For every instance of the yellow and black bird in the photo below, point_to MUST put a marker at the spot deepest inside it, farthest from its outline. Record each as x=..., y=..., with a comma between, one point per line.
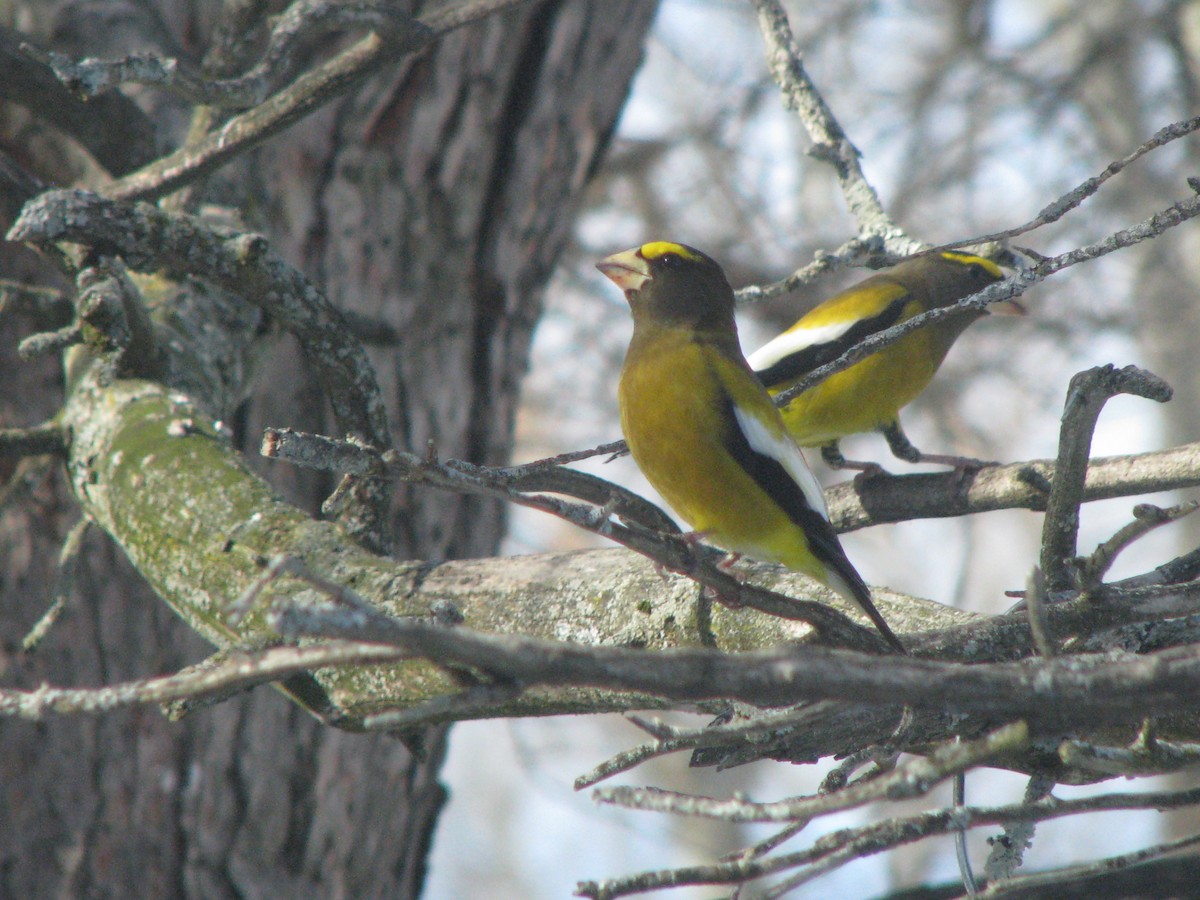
x=869, y=395
x=705, y=432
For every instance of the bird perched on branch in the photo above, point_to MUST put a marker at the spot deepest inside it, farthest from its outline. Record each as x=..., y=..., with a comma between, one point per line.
x=869, y=395
x=705, y=432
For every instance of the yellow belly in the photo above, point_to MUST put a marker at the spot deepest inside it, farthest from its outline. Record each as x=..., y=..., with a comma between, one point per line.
x=673, y=427
x=867, y=395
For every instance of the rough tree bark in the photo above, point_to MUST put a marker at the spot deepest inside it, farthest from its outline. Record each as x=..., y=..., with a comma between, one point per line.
x=435, y=199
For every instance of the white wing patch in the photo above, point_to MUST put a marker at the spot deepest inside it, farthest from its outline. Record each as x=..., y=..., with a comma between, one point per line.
x=782, y=449
x=794, y=340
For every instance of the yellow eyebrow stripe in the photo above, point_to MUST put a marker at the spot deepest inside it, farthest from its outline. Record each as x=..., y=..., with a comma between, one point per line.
x=656, y=249
x=968, y=259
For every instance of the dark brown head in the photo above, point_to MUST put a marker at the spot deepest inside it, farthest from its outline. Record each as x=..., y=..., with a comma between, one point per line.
x=673, y=285
x=947, y=277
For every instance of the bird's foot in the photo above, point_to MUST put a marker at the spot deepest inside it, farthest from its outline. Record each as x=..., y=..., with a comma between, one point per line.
x=834, y=459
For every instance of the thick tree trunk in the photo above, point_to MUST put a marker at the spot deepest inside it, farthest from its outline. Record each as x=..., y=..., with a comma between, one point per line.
x=435, y=199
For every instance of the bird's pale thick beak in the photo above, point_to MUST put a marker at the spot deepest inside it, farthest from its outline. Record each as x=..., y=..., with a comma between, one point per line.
x=626, y=270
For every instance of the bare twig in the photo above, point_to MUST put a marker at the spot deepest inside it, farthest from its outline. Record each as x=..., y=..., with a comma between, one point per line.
x=237, y=671
x=1021, y=885
x=1146, y=518
x=865, y=248
x=1009, y=288
x=1145, y=756
x=302, y=23
x=631, y=758
x=1088, y=393
x=307, y=93
x=856, y=251
x=1058, y=208
x=64, y=584
x=836, y=849
x=327, y=454
x=830, y=141
x=18, y=442
x=46, y=343
x=914, y=778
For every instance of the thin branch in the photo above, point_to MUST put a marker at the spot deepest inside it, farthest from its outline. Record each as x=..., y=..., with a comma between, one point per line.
x=835, y=849
x=46, y=343
x=914, y=778
x=861, y=249
x=238, y=671
x=1146, y=518
x=1142, y=757
x=900, y=498
x=18, y=442
x=855, y=252
x=64, y=584
x=1022, y=884
x=307, y=93
x=631, y=758
x=1058, y=208
x=830, y=141
x=1011, y=287
x=316, y=451
x=300, y=24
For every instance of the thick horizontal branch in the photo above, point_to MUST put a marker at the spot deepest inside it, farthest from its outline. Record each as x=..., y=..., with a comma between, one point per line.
x=198, y=525
x=875, y=501
x=1080, y=691
x=518, y=485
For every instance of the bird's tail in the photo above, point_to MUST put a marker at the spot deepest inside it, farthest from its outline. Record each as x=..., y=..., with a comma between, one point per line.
x=859, y=594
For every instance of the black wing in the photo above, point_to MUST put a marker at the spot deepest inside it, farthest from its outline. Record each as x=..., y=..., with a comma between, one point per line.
x=804, y=360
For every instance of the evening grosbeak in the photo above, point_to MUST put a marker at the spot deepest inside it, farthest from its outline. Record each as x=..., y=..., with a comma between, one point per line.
x=706, y=433
x=869, y=395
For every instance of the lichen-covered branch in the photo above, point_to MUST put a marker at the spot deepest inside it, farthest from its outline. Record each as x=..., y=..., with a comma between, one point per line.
x=244, y=265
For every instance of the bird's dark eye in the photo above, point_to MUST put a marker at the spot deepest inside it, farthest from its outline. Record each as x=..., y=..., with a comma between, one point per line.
x=670, y=260
x=979, y=273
